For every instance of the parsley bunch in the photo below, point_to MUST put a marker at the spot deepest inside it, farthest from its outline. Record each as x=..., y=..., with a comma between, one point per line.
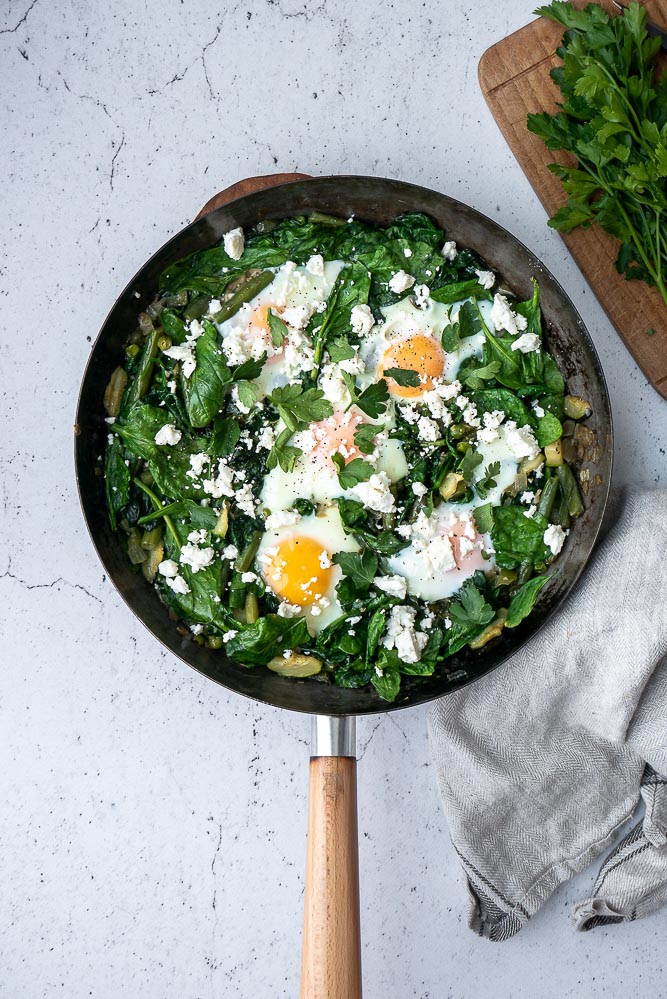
x=613, y=119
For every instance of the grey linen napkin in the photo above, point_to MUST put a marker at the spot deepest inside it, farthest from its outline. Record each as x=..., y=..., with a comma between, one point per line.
x=540, y=763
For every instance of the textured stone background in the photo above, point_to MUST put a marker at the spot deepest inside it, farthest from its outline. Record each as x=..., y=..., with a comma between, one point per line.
x=153, y=825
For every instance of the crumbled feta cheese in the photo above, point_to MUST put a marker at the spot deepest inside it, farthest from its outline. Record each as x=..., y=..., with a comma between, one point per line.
x=230, y=552
x=168, y=434
x=505, y=318
x=487, y=279
x=527, y=343
x=267, y=437
x=440, y=555
x=245, y=500
x=234, y=346
x=178, y=585
x=171, y=385
x=297, y=316
x=400, y=282
x=325, y=559
x=184, y=353
x=110, y=420
x=539, y=471
x=286, y=609
x=521, y=440
x=376, y=493
x=530, y=512
x=422, y=295
x=409, y=413
x=401, y=634
x=298, y=354
x=394, y=586
x=234, y=243
x=228, y=635
x=197, y=537
x=449, y=250
x=527, y=497
x=248, y=577
x=407, y=252
x=198, y=463
x=470, y=416
x=195, y=329
x=489, y=432
x=419, y=489
x=168, y=568
x=196, y=629
x=554, y=538
x=197, y=558
x=220, y=484
x=447, y=390
x=315, y=264
x=214, y=306
x=281, y=518
x=333, y=385
x=427, y=429
x=537, y=409
x=361, y=319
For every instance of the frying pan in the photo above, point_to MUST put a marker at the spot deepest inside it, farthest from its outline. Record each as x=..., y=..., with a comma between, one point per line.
x=331, y=944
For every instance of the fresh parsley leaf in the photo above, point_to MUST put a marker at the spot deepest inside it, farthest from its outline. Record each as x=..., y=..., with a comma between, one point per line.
x=340, y=350
x=475, y=377
x=277, y=328
x=450, y=338
x=469, y=320
x=471, y=460
x=373, y=400
x=471, y=608
x=484, y=518
x=297, y=406
x=282, y=453
x=360, y=567
x=247, y=394
x=354, y=471
x=249, y=369
x=404, y=377
x=488, y=481
x=226, y=433
x=364, y=436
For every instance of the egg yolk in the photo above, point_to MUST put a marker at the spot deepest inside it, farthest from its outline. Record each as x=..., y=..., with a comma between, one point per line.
x=299, y=570
x=336, y=434
x=260, y=316
x=418, y=352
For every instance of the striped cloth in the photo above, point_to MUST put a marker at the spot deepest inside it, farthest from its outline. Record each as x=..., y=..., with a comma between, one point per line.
x=541, y=763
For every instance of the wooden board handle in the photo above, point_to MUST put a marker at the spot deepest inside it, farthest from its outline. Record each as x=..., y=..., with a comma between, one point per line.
x=331, y=960
x=249, y=186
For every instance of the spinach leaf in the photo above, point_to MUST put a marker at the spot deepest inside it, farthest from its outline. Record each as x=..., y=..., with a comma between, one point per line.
x=116, y=479
x=256, y=643
x=517, y=538
x=549, y=429
x=501, y=399
x=523, y=600
x=194, y=513
x=450, y=293
x=204, y=391
x=168, y=465
x=387, y=684
x=226, y=434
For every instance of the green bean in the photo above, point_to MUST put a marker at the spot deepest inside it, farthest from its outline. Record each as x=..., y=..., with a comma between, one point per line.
x=139, y=386
x=524, y=574
x=548, y=497
x=113, y=394
x=244, y=561
x=214, y=641
x=197, y=307
x=325, y=219
x=560, y=514
x=251, y=608
x=164, y=342
x=570, y=490
x=251, y=288
x=157, y=506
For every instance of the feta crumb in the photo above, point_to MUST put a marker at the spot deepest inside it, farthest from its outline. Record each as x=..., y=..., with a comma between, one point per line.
x=527, y=497
x=527, y=343
x=325, y=559
x=168, y=434
x=195, y=557
x=198, y=463
x=376, y=493
x=228, y=635
x=530, y=512
x=168, y=568
x=234, y=243
x=427, y=429
x=394, y=586
x=178, y=585
x=400, y=282
x=554, y=538
x=440, y=555
x=315, y=264
x=214, y=306
x=245, y=500
x=521, y=440
x=197, y=537
x=248, y=577
x=333, y=385
x=230, y=552
x=447, y=390
x=184, y=353
x=419, y=489
x=361, y=319
x=505, y=318
x=286, y=609
x=537, y=409
x=110, y=420
x=401, y=634
x=449, y=250
x=281, y=518
x=196, y=629
x=539, y=471
x=422, y=293
x=267, y=438
x=220, y=484
x=487, y=279
x=297, y=316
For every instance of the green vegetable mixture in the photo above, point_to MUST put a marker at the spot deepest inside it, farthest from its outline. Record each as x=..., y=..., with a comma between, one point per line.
x=341, y=451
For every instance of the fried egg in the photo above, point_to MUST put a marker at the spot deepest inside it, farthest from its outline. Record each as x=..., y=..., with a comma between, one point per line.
x=296, y=563
x=314, y=476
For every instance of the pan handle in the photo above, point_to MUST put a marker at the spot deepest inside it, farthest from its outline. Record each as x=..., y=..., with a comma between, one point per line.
x=331, y=960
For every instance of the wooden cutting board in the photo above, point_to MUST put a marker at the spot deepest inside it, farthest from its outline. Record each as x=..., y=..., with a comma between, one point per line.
x=514, y=77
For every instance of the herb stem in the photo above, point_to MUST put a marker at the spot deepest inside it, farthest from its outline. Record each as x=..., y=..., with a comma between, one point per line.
x=157, y=506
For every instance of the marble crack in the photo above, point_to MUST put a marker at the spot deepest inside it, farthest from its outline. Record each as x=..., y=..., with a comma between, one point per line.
x=49, y=586
x=114, y=158
x=369, y=740
x=10, y=31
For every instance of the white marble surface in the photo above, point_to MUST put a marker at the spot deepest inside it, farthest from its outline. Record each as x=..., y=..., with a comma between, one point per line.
x=152, y=824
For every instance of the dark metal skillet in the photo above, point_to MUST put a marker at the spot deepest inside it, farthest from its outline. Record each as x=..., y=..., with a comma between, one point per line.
x=331, y=938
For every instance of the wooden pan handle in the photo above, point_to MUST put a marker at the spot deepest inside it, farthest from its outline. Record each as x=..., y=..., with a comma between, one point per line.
x=249, y=186
x=331, y=959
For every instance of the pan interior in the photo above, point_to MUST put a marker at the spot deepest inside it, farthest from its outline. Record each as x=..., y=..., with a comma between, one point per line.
x=379, y=201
